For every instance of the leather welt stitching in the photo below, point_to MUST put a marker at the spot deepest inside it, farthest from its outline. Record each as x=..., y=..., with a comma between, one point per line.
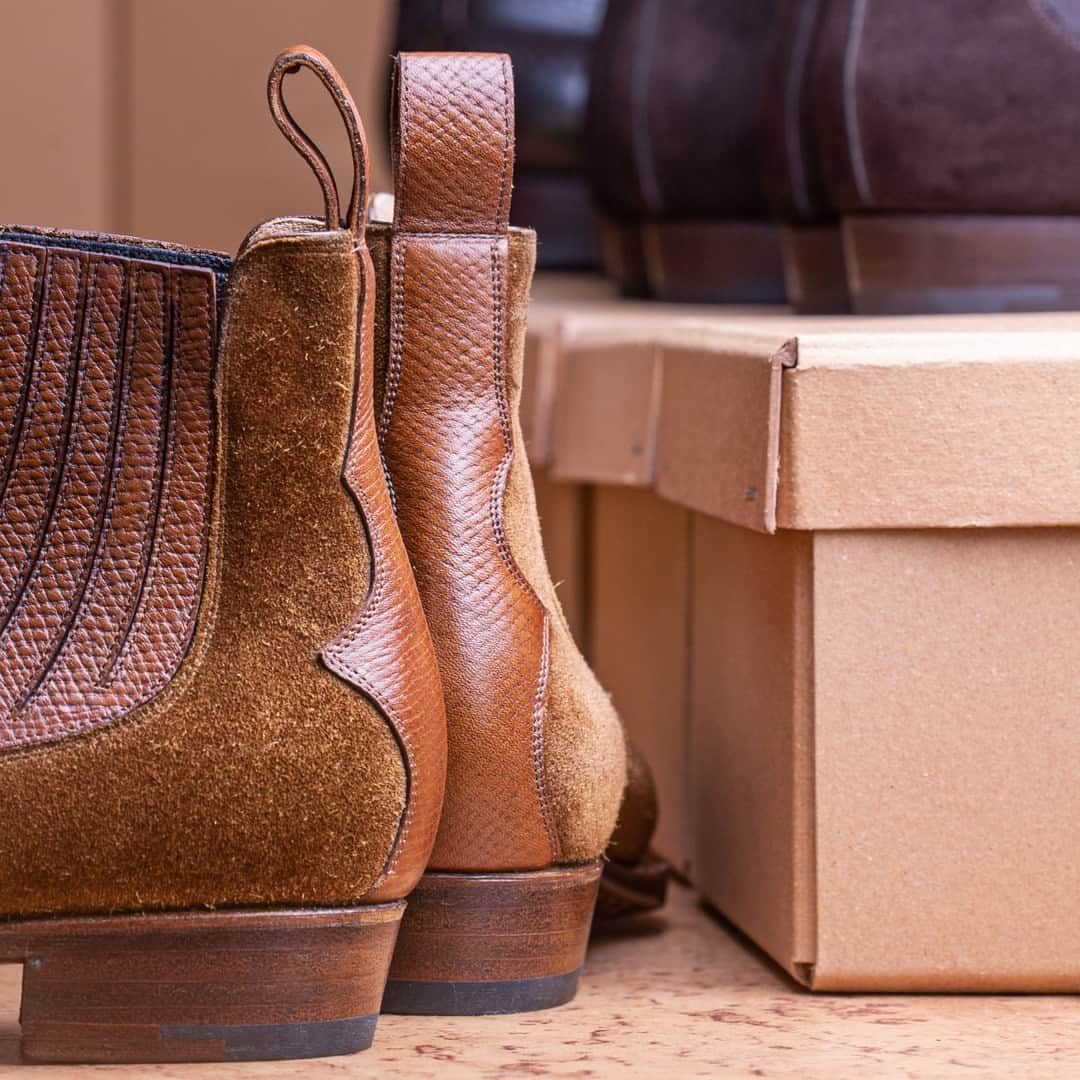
x=106, y=502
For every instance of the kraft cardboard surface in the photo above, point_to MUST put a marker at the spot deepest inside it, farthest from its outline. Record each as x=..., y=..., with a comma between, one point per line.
x=751, y=733
x=947, y=749
x=772, y=421
x=619, y=446
x=639, y=618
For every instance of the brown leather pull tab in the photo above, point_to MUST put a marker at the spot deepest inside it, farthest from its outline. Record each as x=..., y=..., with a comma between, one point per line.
x=287, y=63
x=453, y=142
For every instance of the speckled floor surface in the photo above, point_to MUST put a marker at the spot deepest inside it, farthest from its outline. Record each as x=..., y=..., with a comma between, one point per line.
x=678, y=996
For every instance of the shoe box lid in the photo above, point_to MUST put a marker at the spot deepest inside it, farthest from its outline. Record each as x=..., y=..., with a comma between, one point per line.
x=771, y=421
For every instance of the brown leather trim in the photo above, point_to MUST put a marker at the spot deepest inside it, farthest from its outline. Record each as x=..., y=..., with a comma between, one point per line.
x=448, y=444
x=386, y=651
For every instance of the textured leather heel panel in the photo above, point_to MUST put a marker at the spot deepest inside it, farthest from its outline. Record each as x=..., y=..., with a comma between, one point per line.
x=446, y=434
x=387, y=650
x=107, y=401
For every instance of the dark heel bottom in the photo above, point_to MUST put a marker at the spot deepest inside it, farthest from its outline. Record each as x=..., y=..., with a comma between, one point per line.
x=492, y=943
x=814, y=269
x=201, y=986
x=926, y=263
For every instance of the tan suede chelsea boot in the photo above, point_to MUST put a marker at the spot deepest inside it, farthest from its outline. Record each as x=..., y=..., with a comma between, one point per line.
x=222, y=734
x=536, y=758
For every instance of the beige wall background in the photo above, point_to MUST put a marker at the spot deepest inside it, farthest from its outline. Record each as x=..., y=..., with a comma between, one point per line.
x=149, y=117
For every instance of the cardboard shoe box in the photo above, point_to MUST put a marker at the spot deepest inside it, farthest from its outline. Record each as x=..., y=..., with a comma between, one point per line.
x=638, y=553
x=883, y=737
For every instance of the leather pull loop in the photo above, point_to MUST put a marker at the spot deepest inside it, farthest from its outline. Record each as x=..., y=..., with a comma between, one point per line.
x=452, y=139
x=289, y=62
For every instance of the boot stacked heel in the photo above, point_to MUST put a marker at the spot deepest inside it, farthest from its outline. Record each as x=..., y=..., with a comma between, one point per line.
x=493, y=943
x=201, y=986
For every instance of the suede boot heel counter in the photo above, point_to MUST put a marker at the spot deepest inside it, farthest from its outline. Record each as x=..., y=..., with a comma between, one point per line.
x=583, y=759
x=584, y=754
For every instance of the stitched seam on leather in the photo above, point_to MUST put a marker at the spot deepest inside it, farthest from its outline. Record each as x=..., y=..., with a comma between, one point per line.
x=405, y=120
x=133, y=627
x=137, y=584
x=59, y=623
x=498, y=488
x=500, y=218
x=29, y=343
x=498, y=493
x=397, y=344
x=103, y=521
x=61, y=442
x=539, y=770
x=153, y=704
x=336, y=649
x=58, y=444
x=167, y=673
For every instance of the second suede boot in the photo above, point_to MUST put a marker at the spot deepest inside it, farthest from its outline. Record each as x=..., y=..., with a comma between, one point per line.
x=536, y=762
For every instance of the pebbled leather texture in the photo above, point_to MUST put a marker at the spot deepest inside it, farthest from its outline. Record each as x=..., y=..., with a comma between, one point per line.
x=387, y=651
x=446, y=434
x=106, y=433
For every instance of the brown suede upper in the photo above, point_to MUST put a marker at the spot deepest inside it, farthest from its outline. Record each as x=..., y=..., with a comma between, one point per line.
x=964, y=106
x=297, y=755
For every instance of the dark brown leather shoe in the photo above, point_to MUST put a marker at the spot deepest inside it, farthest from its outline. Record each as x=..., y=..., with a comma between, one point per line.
x=948, y=138
x=550, y=45
x=672, y=131
x=791, y=171
x=222, y=736
x=536, y=763
x=634, y=880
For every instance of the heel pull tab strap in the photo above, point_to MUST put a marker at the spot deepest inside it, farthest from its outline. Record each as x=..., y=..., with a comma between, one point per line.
x=287, y=63
x=452, y=134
